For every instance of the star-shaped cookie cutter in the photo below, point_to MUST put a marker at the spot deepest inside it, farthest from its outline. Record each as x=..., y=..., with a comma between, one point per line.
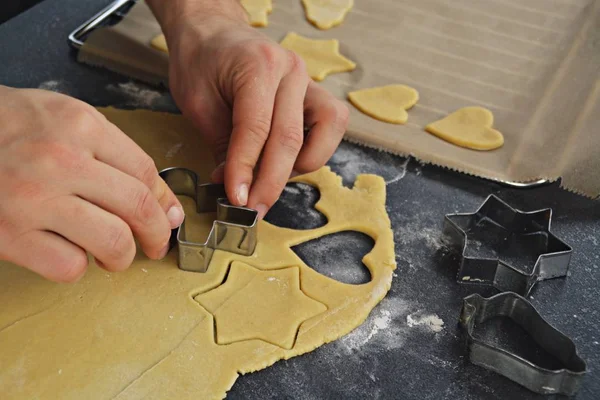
x=553, y=257
x=566, y=380
x=234, y=230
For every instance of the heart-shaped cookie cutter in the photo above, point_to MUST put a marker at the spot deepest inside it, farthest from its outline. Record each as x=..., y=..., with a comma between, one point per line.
x=235, y=229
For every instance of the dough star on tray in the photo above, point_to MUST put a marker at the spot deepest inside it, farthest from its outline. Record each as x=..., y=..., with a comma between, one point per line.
x=322, y=57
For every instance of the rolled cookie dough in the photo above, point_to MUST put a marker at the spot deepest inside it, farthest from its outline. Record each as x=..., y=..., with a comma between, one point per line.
x=385, y=103
x=325, y=14
x=469, y=127
x=149, y=332
x=322, y=57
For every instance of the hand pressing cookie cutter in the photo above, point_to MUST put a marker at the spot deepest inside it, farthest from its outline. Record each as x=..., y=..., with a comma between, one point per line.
x=553, y=258
x=477, y=309
x=234, y=230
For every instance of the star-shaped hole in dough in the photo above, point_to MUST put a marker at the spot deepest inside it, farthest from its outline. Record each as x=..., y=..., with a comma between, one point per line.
x=322, y=57
x=325, y=14
x=258, y=11
x=386, y=103
x=255, y=304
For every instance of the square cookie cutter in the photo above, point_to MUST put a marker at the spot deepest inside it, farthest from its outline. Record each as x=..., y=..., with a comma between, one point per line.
x=235, y=229
x=553, y=257
x=477, y=309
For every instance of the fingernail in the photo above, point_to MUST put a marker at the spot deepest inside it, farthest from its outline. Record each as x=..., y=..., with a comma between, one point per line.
x=242, y=194
x=262, y=210
x=163, y=252
x=175, y=216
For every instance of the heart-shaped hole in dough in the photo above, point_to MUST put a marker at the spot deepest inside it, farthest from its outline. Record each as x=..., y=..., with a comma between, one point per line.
x=338, y=256
x=295, y=209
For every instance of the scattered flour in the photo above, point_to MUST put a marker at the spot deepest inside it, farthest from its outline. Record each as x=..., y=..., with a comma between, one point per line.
x=173, y=151
x=379, y=330
x=51, y=85
x=400, y=175
x=299, y=198
x=136, y=95
x=350, y=161
x=408, y=233
x=380, y=322
x=431, y=322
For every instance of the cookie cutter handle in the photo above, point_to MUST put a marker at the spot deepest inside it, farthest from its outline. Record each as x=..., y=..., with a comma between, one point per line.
x=76, y=37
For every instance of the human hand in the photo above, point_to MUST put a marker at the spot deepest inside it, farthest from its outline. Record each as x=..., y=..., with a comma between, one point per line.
x=71, y=182
x=251, y=99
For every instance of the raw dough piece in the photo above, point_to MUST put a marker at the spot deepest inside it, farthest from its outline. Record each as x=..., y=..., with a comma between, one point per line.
x=258, y=10
x=469, y=127
x=254, y=304
x=385, y=103
x=139, y=334
x=325, y=14
x=160, y=43
x=322, y=57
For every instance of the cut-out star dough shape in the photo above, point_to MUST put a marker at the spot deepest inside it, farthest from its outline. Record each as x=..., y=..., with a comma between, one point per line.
x=325, y=14
x=258, y=10
x=254, y=304
x=160, y=43
x=469, y=127
x=322, y=57
x=386, y=103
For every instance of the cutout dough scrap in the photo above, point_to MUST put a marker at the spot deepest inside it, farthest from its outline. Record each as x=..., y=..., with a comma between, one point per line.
x=469, y=127
x=139, y=334
x=160, y=43
x=325, y=14
x=258, y=11
x=385, y=103
x=322, y=57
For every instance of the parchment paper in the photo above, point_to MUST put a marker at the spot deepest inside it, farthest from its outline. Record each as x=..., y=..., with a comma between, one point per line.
x=534, y=63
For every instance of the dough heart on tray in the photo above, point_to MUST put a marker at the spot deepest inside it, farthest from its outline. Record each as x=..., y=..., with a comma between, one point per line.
x=469, y=127
x=385, y=103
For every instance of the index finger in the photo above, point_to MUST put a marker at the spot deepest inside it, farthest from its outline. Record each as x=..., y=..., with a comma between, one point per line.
x=251, y=121
x=121, y=152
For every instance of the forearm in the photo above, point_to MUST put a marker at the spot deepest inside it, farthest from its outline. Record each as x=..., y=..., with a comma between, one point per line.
x=171, y=13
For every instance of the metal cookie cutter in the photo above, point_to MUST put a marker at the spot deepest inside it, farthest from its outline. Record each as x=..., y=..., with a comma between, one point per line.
x=109, y=15
x=234, y=230
x=553, y=255
x=477, y=309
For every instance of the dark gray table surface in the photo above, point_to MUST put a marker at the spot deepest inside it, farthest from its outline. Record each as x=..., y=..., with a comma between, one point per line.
x=386, y=357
